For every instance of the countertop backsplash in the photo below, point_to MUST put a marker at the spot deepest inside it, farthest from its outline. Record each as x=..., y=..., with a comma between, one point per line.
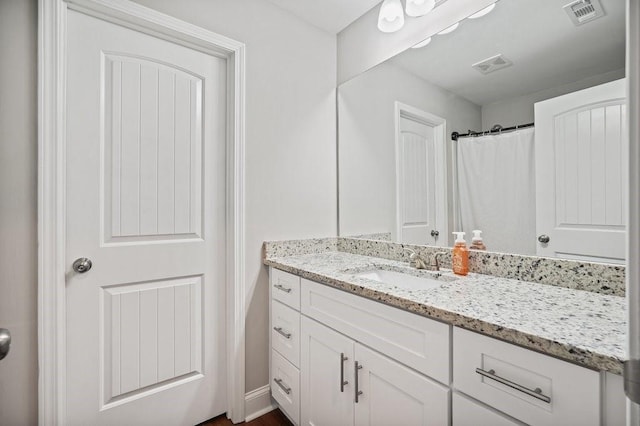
x=595, y=277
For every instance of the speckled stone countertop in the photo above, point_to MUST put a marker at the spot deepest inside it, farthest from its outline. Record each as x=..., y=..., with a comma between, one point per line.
x=582, y=327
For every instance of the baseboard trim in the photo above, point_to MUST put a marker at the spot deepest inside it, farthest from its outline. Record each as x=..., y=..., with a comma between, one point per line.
x=258, y=402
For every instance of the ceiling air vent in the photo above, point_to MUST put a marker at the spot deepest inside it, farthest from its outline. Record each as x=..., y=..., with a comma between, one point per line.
x=583, y=11
x=492, y=64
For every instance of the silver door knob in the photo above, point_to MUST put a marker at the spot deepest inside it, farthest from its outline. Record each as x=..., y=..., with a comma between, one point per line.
x=82, y=265
x=544, y=239
x=5, y=342
x=434, y=233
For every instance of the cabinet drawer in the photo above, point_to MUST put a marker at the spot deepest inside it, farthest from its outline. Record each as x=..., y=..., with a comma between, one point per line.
x=285, y=332
x=285, y=386
x=415, y=341
x=534, y=388
x=469, y=413
x=285, y=287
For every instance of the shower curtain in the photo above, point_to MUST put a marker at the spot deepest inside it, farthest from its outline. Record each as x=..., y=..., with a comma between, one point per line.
x=496, y=190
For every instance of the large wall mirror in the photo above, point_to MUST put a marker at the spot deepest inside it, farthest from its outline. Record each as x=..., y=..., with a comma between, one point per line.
x=536, y=94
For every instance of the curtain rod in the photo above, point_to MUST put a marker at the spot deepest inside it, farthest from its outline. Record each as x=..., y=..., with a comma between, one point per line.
x=495, y=129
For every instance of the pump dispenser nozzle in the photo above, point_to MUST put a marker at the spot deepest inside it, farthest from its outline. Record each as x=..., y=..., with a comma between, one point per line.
x=476, y=241
x=459, y=237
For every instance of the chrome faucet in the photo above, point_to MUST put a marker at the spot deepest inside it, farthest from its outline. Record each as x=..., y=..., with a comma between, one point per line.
x=435, y=265
x=416, y=260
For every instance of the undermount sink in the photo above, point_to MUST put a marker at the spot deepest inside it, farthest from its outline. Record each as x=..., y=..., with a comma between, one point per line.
x=400, y=279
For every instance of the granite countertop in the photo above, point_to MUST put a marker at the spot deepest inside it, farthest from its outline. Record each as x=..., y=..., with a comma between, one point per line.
x=582, y=327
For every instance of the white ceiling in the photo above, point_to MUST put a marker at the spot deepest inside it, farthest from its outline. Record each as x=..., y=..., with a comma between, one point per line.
x=330, y=15
x=546, y=48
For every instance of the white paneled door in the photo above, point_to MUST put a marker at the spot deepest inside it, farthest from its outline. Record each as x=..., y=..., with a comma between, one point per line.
x=420, y=189
x=145, y=161
x=582, y=174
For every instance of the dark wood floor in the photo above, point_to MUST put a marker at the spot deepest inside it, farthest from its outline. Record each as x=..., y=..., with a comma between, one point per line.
x=273, y=418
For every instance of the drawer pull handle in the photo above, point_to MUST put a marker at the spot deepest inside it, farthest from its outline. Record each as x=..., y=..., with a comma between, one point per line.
x=358, y=392
x=283, y=288
x=536, y=393
x=282, y=386
x=343, y=382
x=282, y=332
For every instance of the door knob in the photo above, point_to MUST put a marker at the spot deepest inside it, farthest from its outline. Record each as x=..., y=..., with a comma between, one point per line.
x=5, y=342
x=544, y=239
x=82, y=265
x=434, y=233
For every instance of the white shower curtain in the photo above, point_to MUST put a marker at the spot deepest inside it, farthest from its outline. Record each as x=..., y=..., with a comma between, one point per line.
x=496, y=190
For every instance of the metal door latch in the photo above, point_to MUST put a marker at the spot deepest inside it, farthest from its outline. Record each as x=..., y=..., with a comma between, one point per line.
x=5, y=342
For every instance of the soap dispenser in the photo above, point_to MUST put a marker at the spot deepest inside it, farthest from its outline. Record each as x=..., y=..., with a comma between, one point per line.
x=476, y=241
x=460, y=255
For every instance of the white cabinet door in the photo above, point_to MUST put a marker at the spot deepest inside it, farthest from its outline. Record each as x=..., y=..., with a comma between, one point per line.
x=581, y=174
x=393, y=394
x=326, y=361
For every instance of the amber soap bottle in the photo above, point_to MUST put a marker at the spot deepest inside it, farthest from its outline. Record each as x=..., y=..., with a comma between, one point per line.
x=460, y=255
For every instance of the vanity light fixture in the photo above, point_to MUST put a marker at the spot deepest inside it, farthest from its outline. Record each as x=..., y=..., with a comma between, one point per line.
x=423, y=43
x=482, y=12
x=419, y=7
x=391, y=17
x=450, y=29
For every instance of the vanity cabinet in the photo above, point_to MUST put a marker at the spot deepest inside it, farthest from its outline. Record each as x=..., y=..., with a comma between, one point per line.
x=319, y=333
x=346, y=383
x=341, y=359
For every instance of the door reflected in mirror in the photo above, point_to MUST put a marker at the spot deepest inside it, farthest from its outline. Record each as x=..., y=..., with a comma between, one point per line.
x=552, y=169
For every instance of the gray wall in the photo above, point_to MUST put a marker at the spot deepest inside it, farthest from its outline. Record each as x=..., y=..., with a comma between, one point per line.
x=509, y=112
x=18, y=212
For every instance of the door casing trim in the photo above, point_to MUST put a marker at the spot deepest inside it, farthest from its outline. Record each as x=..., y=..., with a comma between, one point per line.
x=51, y=188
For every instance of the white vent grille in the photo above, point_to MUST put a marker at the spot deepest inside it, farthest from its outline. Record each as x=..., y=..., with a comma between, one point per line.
x=492, y=64
x=583, y=11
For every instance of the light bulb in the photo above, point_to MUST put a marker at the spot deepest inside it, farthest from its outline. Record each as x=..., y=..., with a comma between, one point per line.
x=482, y=12
x=419, y=7
x=450, y=29
x=391, y=16
x=423, y=43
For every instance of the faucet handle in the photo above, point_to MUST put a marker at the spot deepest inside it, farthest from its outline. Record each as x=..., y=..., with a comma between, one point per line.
x=412, y=254
x=436, y=262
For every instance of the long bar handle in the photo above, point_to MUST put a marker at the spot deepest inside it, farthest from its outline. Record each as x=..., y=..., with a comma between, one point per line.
x=343, y=382
x=358, y=392
x=282, y=332
x=282, y=386
x=536, y=393
x=283, y=288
